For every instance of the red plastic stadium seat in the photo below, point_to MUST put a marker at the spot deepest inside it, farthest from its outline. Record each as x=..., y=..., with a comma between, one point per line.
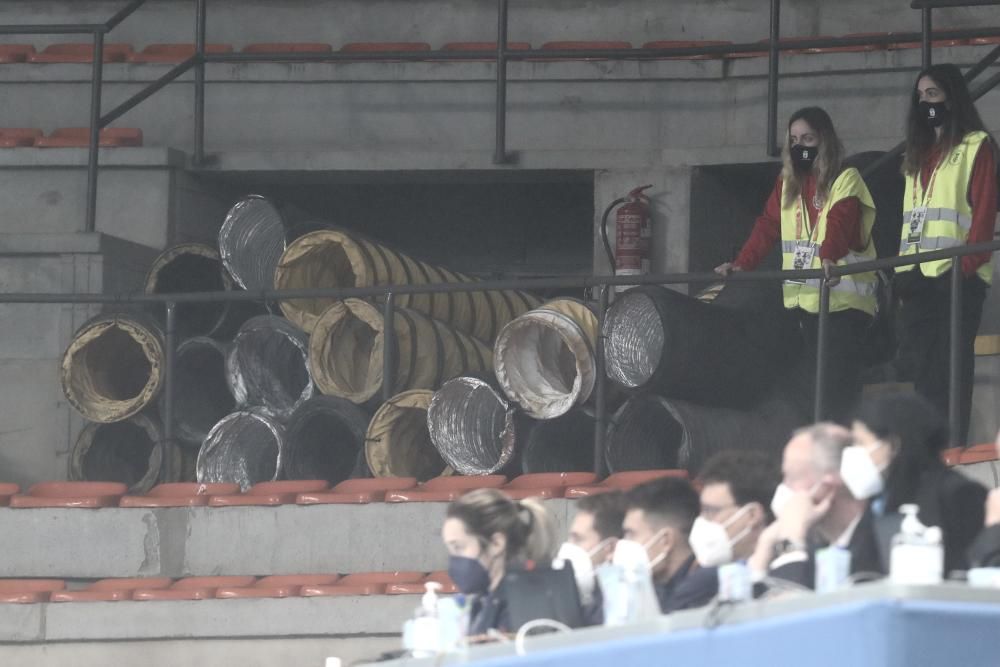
x=111, y=590
x=288, y=47
x=180, y=494
x=193, y=588
x=256, y=592
x=622, y=481
x=387, y=47
x=365, y=578
x=484, y=46
x=15, y=53
x=6, y=491
x=546, y=485
x=28, y=591
x=341, y=591
x=86, y=495
x=578, y=45
x=270, y=493
x=190, y=583
x=16, y=137
x=445, y=489
x=447, y=585
x=173, y=53
x=896, y=46
x=952, y=456
x=80, y=53
x=671, y=44
x=357, y=491
x=979, y=454
x=79, y=137
x=977, y=41
x=297, y=580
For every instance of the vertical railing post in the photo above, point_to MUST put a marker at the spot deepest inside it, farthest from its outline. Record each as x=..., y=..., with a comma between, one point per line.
x=500, y=147
x=926, y=29
x=199, y=82
x=822, y=334
x=955, y=407
x=97, y=74
x=168, y=372
x=772, y=79
x=600, y=386
x=390, y=348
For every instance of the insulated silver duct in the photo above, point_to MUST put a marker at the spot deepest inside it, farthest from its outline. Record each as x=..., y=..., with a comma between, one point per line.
x=244, y=448
x=633, y=339
x=251, y=241
x=472, y=426
x=268, y=366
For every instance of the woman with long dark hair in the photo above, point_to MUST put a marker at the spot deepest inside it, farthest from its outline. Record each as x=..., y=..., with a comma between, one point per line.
x=950, y=200
x=822, y=214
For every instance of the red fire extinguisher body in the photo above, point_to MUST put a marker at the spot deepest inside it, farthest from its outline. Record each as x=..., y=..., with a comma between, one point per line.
x=633, y=235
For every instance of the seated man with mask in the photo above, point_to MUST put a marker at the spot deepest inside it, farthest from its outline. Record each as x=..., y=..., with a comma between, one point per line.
x=814, y=509
x=659, y=516
x=737, y=487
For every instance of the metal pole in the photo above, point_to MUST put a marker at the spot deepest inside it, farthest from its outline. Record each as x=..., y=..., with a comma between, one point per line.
x=390, y=350
x=199, y=82
x=97, y=73
x=926, y=28
x=955, y=410
x=822, y=331
x=772, y=80
x=600, y=396
x=500, y=147
x=168, y=373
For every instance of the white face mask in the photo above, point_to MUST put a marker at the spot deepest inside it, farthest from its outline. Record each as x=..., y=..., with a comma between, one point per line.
x=583, y=569
x=653, y=562
x=860, y=474
x=711, y=543
x=783, y=493
x=630, y=555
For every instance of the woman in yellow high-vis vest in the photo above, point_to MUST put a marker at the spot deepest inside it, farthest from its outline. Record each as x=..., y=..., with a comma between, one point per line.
x=950, y=200
x=823, y=215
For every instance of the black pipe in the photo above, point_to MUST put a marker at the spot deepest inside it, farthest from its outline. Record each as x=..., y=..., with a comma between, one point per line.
x=955, y=409
x=981, y=66
x=90, y=222
x=600, y=387
x=822, y=334
x=986, y=86
x=772, y=80
x=199, y=82
x=604, y=233
x=170, y=361
x=123, y=14
x=390, y=348
x=925, y=37
x=500, y=148
x=147, y=92
x=43, y=29
x=936, y=4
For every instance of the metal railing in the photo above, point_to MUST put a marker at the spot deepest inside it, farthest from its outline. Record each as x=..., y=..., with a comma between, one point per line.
x=390, y=355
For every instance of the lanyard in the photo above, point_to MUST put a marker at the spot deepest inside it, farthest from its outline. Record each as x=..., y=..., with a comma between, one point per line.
x=930, y=184
x=801, y=211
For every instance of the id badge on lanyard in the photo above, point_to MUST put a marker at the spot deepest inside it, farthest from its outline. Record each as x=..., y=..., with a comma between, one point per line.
x=805, y=251
x=918, y=216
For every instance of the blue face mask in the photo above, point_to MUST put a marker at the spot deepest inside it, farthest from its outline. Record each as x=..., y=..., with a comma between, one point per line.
x=469, y=575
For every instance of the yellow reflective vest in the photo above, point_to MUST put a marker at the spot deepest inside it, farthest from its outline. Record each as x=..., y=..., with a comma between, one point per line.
x=853, y=291
x=944, y=207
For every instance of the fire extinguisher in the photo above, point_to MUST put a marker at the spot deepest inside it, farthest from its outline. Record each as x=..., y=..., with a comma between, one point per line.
x=633, y=233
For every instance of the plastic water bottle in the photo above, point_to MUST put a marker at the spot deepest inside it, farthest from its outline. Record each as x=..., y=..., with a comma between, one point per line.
x=833, y=569
x=422, y=634
x=917, y=553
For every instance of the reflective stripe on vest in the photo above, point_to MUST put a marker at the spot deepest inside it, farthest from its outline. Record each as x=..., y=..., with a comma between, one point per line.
x=853, y=291
x=949, y=216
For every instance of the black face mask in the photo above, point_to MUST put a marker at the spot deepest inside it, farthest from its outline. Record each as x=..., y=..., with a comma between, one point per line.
x=803, y=156
x=933, y=113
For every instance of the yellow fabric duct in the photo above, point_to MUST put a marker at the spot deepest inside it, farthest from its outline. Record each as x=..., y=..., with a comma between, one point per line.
x=544, y=359
x=348, y=339
x=330, y=258
x=112, y=368
x=398, y=444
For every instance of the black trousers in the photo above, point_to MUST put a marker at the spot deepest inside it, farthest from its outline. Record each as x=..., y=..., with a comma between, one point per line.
x=924, y=333
x=846, y=334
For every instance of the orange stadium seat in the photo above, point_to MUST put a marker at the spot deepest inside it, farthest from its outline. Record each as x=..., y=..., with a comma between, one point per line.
x=574, y=45
x=977, y=41
x=80, y=53
x=270, y=493
x=445, y=489
x=299, y=580
x=7, y=490
x=288, y=47
x=173, y=53
x=15, y=53
x=16, y=137
x=672, y=44
x=28, y=591
x=484, y=46
x=357, y=491
x=180, y=494
x=365, y=578
x=193, y=588
x=376, y=47
x=256, y=592
x=111, y=590
x=337, y=590
x=978, y=454
x=84, y=495
x=622, y=481
x=546, y=484
x=414, y=588
x=79, y=137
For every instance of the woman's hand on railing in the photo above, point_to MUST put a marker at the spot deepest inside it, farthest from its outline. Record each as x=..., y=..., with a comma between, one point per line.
x=726, y=268
x=831, y=280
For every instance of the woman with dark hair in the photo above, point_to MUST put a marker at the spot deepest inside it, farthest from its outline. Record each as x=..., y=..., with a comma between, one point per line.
x=896, y=460
x=823, y=215
x=950, y=200
x=486, y=533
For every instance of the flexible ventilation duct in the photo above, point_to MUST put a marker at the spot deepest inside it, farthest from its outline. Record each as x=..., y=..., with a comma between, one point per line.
x=563, y=444
x=472, y=426
x=131, y=451
x=398, y=443
x=662, y=341
x=332, y=258
x=544, y=359
x=347, y=344
x=113, y=367
x=202, y=395
x=244, y=448
x=251, y=241
x=268, y=366
x=652, y=432
x=324, y=437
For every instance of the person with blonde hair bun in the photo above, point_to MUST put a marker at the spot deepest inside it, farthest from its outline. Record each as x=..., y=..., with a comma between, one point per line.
x=486, y=534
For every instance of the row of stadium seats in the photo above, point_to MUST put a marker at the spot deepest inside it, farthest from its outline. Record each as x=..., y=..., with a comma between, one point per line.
x=93, y=495
x=148, y=589
x=68, y=137
x=175, y=53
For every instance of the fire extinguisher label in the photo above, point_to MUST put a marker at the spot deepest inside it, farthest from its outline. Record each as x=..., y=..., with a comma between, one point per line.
x=629, y=232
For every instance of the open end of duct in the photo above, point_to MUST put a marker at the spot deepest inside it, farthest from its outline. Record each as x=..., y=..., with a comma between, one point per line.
x=121, y=452
x=202, y=395
x=244, y=448
x=322, y=446
x=645, y=434
x=563, y=444
x=323, y=259
x=270, y=367
x=471, y=426
x=107, y=373
x=633, y=340
x=191, y=268
x=345, y=351
x=398, y=443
